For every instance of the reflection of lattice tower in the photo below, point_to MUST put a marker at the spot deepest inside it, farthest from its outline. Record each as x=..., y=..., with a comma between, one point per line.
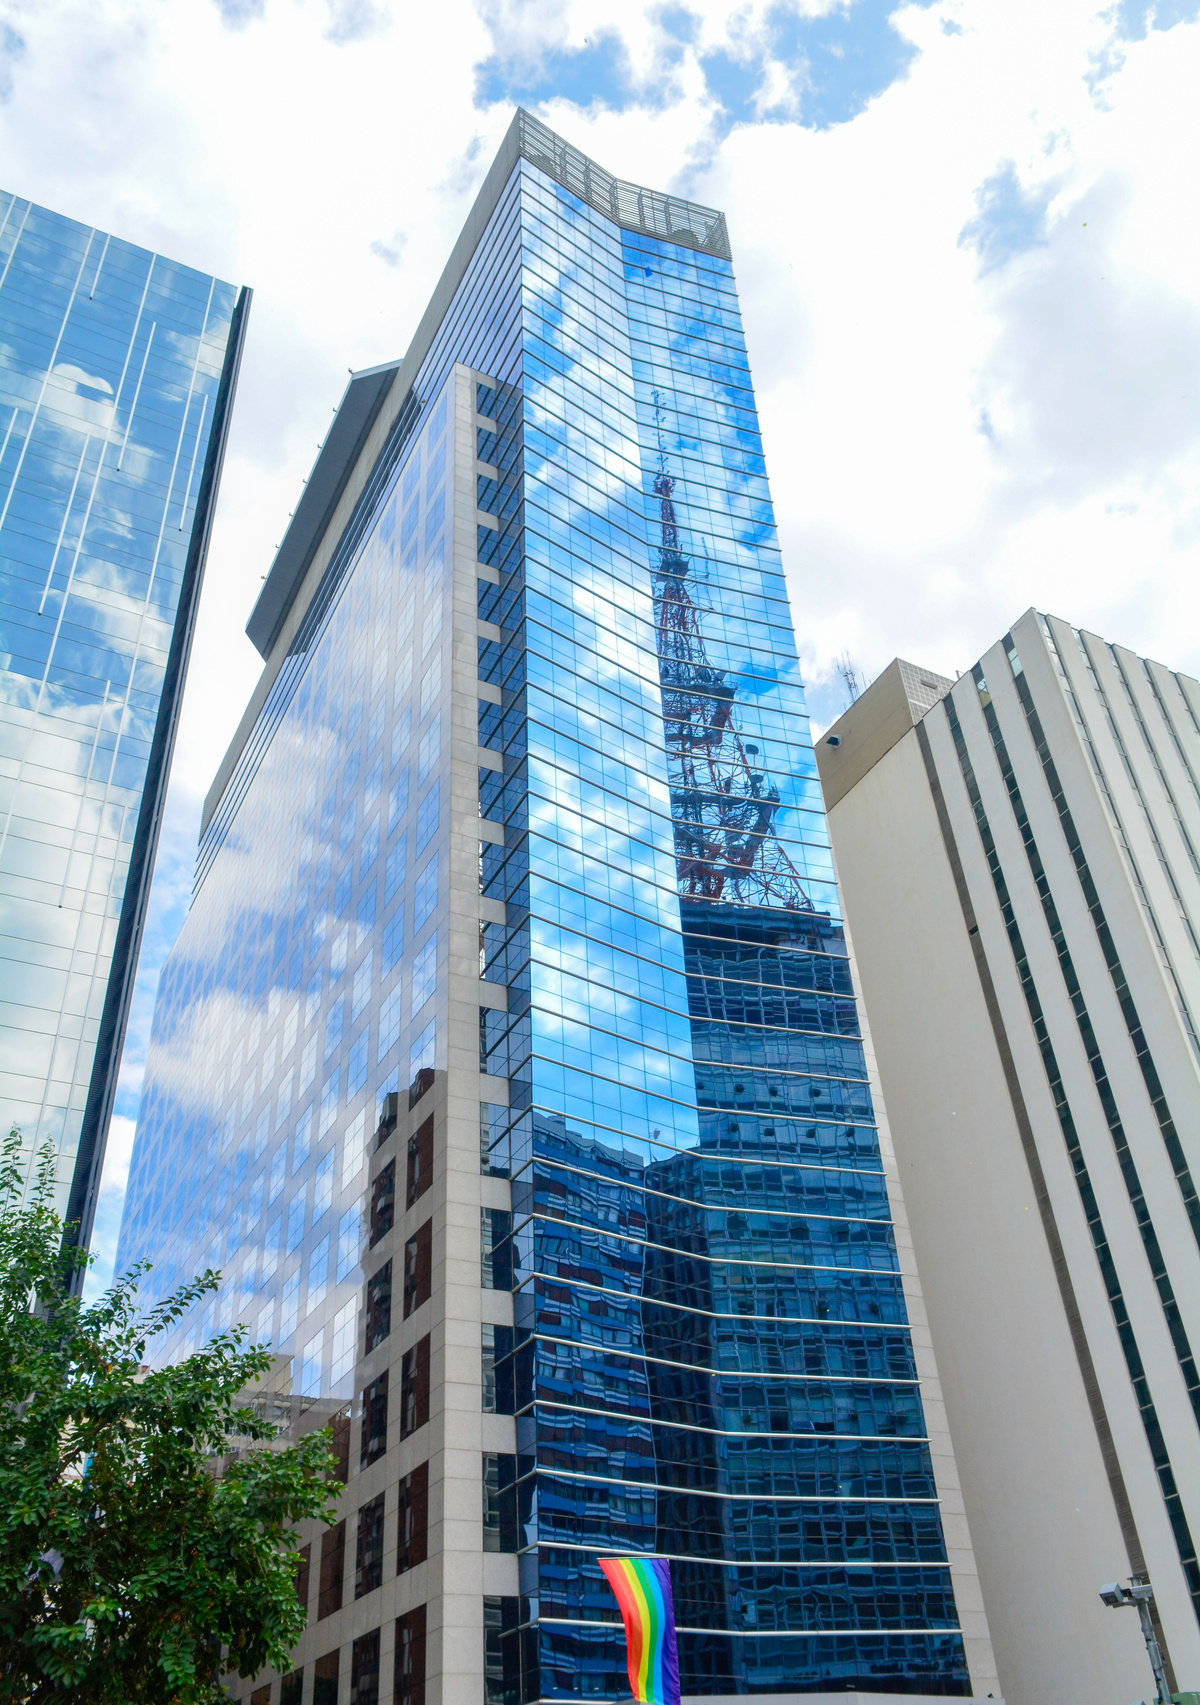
x=724, y=809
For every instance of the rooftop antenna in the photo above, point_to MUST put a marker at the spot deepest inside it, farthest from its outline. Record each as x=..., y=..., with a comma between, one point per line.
x=849, y=676
x=724, y=797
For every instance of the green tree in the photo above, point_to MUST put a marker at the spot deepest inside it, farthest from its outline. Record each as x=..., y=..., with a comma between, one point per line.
x=132, y=1569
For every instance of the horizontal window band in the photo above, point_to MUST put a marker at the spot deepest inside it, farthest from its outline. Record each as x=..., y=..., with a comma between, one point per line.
x=736, y=1026
x=544, y=1225
x=903, y=1630
x=692, y=934
x=620, y=549
x=705, y=1157
x=547, y=866
x=543, y=1217
x=645, y=718
x=738, y=1268
x=788, y=1380
x=704, y=1105
x=837, y=1567
x=810, y=1121
x=814, y=1119
x=566, y=853
x=541, y=1471
x=630, y=1297
x=702, y=1157
x=517, y=945
x=648, y=723
x=559, y=806
x=687, y=1061
x=754, y=665
x=902, y=1441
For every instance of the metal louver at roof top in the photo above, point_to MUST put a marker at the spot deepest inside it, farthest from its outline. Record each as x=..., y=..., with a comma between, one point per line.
x=630, y=206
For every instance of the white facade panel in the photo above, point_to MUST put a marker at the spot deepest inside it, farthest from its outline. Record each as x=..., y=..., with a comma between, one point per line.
x=1029, y=961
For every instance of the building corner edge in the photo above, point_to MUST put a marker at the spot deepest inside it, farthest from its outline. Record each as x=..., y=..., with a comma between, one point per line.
x=102, y=1089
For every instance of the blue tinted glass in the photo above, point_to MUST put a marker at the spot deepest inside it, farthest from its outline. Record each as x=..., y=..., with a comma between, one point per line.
x=709, y=1355
x=110, y=365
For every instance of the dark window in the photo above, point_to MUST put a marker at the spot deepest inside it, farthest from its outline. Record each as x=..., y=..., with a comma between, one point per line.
x=412, y=1532
x=364, y=1670
x=414, y=1388
x=261, y=1695
x=389, y=1113
x=420, y=1161
x=499, y=1501
x=303, y=1566
x=418, y=1268
x=409, y=1682
x=495, y=1249
x=424, y=1078
x=379, y=1306
x=497, y=1370
x=501, y=1652
x=291, y=1688
x=374, y=1421
x=333, y=1556
x=494, y=1140
x=368, y=1561
x=340, y=1446
x=325, y=1680
x=383, y=1203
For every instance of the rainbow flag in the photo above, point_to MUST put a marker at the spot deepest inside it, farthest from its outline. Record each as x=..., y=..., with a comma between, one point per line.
x=643, y=1589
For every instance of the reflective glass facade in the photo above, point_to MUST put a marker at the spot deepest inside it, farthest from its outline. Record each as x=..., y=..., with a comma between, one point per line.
x=568, y=527
x=116, y=376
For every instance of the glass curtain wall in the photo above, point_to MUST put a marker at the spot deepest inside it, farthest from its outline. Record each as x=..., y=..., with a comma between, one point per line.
x=111, y=361
x=309, y=978
x=711, y=1358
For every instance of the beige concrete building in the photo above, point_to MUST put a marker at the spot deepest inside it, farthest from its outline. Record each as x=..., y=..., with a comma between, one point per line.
x=1018, y=854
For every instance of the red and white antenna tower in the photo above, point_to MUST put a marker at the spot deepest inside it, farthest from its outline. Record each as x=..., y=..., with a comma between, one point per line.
x=723, y=806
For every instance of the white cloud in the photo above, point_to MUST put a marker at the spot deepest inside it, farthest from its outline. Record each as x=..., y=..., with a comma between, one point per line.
x=948, y=442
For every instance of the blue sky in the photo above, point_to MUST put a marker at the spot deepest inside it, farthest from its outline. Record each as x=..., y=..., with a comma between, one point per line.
x=966, y=234
x=832, y=64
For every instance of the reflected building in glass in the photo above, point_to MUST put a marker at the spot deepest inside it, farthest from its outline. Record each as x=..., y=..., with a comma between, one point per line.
x=117, y=373
x=509, y=1063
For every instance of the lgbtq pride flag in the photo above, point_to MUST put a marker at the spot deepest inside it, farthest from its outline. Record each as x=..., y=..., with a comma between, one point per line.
x=643, y=1589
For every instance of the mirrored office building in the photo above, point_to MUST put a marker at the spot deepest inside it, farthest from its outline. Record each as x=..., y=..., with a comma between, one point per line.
x=117, y=371
x=509, y=1063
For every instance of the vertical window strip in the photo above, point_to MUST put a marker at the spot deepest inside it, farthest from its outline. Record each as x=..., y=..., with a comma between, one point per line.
x=1135, y=874
x=1095, y=1059
x=1152, y=751
x=1187, y=703
x=1116, y=1300
x=1184, y=763
x=1134, y=783
x=1108, y=947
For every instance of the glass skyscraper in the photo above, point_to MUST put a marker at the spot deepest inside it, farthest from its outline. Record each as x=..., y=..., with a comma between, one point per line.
x=117, y=370
x=508, y=1063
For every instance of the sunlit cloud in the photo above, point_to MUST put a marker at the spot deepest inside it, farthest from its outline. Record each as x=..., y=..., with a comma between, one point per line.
x=965, y=233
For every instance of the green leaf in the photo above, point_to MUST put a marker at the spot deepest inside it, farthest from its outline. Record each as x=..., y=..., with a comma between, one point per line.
x=132, y=1573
